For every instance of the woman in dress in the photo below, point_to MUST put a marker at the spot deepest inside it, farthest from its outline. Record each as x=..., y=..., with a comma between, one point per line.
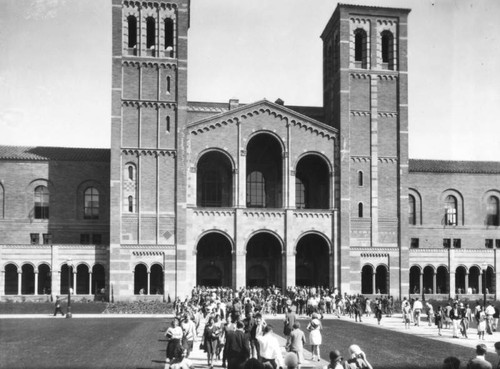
x=481, y=325
x=174, y=336
x=438, y=319
x=315, y=338
x=210, y=340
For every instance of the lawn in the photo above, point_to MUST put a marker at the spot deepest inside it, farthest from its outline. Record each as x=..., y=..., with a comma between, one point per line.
x=386, y=349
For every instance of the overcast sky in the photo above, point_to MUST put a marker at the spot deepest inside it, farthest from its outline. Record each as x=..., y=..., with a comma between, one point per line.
x=55, y=67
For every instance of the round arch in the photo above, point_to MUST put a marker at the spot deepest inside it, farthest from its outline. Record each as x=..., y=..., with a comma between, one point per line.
x=222, y=233
x=460, y=276
x=11, y=282
x=429, y=273
x=442, y=279
x=214, y=249
x=82, y=279
x=214, y=179
x=156, y=279
x=367, y=279
x=264, y=250
x=312, y=182
x=28, y=279
x=140, y=278
x=382, y=279
x=312, y=254
x=314, y=153
x=415, y=271
x=265, y=132
x=44, y=279
x=98, y=279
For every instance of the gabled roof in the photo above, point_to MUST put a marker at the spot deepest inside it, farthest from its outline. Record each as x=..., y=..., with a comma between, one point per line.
x=448, y=166
x=47, y=153
x=257, y=106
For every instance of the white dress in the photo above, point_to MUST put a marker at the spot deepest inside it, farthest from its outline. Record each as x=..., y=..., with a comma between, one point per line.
x=315, y=332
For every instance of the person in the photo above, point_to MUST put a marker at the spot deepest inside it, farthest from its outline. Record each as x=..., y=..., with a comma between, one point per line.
x=58, y=306
x=335, y=360
x=479, y=362
x=357, y=310
x=368, y=307
x=466, y=318
x=210, y=340
x=189, y=334
x=481, y=325
x=315, y=338
x=174, y=335
x=297, y=342
x=291, y=360
x=182, y=362
x=269, y=348
x=456, y=317
x=237, y=347
x=378, y=312
x=497, y=350
x=256, y=331
x=447, y=319
x=451, y=362
x=228, y=327
x=489, y=311
x=288, y=323
x=430, y=312
x=358, y=359
x=407, y=315
x=417, y=311
x=438, y=319
x=495, y=318
x=219, y=327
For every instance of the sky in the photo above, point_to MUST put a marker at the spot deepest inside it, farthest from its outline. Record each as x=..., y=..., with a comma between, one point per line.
x=55, y=67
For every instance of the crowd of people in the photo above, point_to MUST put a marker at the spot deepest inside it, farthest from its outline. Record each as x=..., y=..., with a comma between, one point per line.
x=235, y=333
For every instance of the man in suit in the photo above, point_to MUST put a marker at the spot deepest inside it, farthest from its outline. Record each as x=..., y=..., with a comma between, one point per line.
x=237, y=348
x=479, y=362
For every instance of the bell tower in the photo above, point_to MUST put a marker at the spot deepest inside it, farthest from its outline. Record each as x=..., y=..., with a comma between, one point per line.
x=149, y=101
x=366, y=98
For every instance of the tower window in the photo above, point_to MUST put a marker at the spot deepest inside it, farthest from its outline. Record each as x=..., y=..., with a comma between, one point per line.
x=168, y=124
x=450, y=210
x=132, y=31
x=412, y=219
x=488, y=243
x=169, y=36
x=91, y=203
x=360, y=48
x=150, y=35
x=492, y=209
x=168, y=84
x=387, y=50
x=360, y=210
x=41, y=202
x=130, y=204
x=360, y=178
x=130, y=170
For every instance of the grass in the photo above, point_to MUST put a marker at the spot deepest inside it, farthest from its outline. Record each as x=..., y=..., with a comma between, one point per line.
x=48, y=307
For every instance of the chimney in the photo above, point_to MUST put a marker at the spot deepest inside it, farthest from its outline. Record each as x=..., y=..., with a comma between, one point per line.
x=279, y=102
x=233, y=104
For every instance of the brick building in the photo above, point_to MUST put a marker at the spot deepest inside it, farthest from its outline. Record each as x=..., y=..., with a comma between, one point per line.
x=249, y=194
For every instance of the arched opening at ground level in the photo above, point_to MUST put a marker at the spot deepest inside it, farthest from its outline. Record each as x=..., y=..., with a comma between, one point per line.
x=414, y=279
x=367, y=279
x=140, y=279
x=442, y=280
x=11, y=280
x=312, y=261
x=214, y=261
x=264, y=261
x=66, y=280
x=44, y=280
x=382, y=280
x=156, y=280
x=28, y=280
x=98, y=279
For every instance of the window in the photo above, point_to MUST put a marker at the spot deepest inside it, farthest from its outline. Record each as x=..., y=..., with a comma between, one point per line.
x=360, y=48
x=2, y=201
x=96, y=239
x=91, y=203
x=130, y=204
x=34, y=238
x=414, y=243
x=84, y=238
x=131, y=172
x=47, y=238
x=300, y=194
x=169, y=36
x=450, y=207
x=497, y=244
x=150, y=36
x=211, y=188
x=256, y=190
x=168, y=84
x=412, y=218
x=387, y=50
x=41, y=202
x=492, y=209
x=457, y=243
x=132, y=31
x=446, y=243
x=168, y=124
x=488, y=243
x=360, y=178
x=360, y=210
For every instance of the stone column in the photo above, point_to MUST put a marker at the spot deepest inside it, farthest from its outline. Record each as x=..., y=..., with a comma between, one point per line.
x=480, y=282
x=434, y=283
x=90, y=283
x=19, y=282
x=452, y=290
x=290, y=268
x=466, y=283
x=241, y=268
x=2, y=282
x=421, y=282
x=149, y=283
x=36, y=283
x=374, y=282
x=74, y=280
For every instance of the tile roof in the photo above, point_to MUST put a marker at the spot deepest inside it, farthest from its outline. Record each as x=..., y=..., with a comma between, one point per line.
x=448, y=166
x=45, y=153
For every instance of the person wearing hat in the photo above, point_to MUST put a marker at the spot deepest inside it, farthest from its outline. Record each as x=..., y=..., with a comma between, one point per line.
x=335, y=360
x=297, y=341
x=358, y=359
x=479, y=362
x=314, y=327
x=291, y=360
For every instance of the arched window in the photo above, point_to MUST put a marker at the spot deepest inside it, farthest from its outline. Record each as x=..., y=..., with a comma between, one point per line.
x=300, y=193
x=169, y=35
x=132, y=31
x=360, y=178
x=492, y=210
x=387, y=49
x=360, y=210
x=91, y=203
x=412, y=215
x=450, y=208
x=41, y=202
x=168, y=84
x=150, y=35
x=360, y=48
x=167, y=128
x=256, y=190
x=131, y=172
x=130, y=204
x=2, y=202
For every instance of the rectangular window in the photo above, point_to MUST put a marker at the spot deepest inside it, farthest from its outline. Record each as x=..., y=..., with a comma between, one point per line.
x=497, y=244
x=488, y=243
x=96, y=239
x=47, y=238
x=457, y=243
x=35, y=238
x=84, y=238
x=446, y=243
x=414, y=243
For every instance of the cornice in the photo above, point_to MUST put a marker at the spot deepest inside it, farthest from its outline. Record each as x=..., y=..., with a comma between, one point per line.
x=148, y=253
x=312, y=214
x=370, y=250
x=214, y=212
x=388, y=114
x=374, y=255
x=149, y=63
x=263, y=214
x=149, y=4
x=149, y=152
x=388, y=160
x=149, y=104
x=360, y=113
x=361, y=159
x=147, y=247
